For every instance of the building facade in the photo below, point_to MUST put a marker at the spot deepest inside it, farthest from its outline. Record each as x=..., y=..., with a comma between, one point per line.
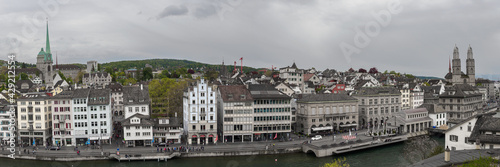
x=272, y=113
x=34, y=117
x=138, y=130
x=200, y=113
x=326, y=113
x=459, y=102
x=377, y=104
x=167, y=130
x=235, y=113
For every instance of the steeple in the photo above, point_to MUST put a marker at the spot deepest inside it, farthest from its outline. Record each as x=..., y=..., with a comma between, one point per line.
x=47, y=43
x=469, y=53
x=455, y=53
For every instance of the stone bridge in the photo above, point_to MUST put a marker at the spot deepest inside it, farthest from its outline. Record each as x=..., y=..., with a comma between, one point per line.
x=329, y=150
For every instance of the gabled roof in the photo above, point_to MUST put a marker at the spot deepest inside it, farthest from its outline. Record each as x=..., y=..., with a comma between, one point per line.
x=368, y=91
x=172, y=122
x=486, y=123
x=233, y=93
x=265, y=92
x=460, y=90
x=145, y=120
x=134, y=95
x=99, y=97
x=308, y=76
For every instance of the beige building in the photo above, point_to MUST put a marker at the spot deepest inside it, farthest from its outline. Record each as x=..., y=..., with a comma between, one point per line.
x=325, y=113
x=377, y=105
x=34, y=119
x=460, y=102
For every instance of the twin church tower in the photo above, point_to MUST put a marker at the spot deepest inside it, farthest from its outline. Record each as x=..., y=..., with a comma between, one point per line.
x=455, y=74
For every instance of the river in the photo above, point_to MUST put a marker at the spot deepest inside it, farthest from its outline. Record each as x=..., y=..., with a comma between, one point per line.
x=385, y=156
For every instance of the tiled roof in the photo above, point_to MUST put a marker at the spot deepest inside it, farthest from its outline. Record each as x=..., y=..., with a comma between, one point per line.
x=28, y=71
x=134, y=95
x=99, y=97
x=172, y=122
x=326, y=98
x=66, y=67
x=457, y=157
x=486, y=123
x=308, y=76
x=145, y=120
x=231, y=93
x=265, y=92
x=460, y=90
x=367, y=91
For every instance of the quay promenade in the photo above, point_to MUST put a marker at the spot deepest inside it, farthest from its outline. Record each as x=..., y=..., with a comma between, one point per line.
x=220, y=149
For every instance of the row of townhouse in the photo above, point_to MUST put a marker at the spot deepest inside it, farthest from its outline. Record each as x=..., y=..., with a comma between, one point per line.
x=70, y=118
x=139, y=129
x=235, y=113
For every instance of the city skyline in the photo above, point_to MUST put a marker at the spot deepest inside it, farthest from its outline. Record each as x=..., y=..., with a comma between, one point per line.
x=309, y=33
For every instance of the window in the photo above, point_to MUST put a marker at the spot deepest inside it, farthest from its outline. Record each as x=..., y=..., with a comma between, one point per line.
x=453, y=138
x=128, y=134
x=137, y=133
x=194, y=127
x=130, y=109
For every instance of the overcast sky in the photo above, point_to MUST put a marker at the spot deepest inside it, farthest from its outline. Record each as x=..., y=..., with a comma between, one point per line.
x=418, y=38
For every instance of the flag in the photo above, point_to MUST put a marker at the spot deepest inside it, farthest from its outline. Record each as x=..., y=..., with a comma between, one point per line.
x=276, y=136
x=241, y=58
x=217, y=138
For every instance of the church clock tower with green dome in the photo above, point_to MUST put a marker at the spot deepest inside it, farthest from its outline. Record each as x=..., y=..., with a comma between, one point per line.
x=44, y=61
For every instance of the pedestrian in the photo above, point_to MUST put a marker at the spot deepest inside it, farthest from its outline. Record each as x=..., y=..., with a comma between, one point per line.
x=157, y=149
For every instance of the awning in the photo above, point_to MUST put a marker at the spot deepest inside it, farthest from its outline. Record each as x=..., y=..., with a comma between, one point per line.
x=194, y=136
x=256, y=133
x=322, y=128
x=348, y=125
x=105, y=138
x=94, y=138
x=202, y=135
x=210, y=135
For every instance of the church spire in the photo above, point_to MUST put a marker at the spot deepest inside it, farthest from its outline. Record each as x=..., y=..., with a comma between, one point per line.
x=455, y=52
x=469, y=53
x=47, y=43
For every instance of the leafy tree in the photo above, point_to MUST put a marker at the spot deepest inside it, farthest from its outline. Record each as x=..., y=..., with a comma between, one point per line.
x=109, y=70
x=339, y=162
x=362, y=70
x=409, y=76
x=23, y=65
x=211, y=75
x=147, y=74
x=166, y=95
x=190, y=71
x=129, y=81
x=24, y=76
x=437, y=150
x=351, y=70
x=373, y=70
x=79, y=77
x=392, y=72
x=62, y=76
x=385, y=72
x=268, y=73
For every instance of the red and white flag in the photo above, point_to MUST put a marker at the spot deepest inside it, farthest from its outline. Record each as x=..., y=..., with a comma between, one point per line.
x=276, y=136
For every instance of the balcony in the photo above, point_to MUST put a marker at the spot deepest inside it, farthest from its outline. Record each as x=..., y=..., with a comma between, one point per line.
x=62, y=128
x=175, y=131
x=30, y=128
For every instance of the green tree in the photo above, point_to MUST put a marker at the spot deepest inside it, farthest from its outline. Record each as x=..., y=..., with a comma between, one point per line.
x=437, y=150
x=339, y=162
x=147, y=74
x=79, y=77
x=24, y=76
x=129, y=81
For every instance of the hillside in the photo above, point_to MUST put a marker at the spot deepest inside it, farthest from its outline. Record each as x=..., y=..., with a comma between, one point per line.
x=170, y=64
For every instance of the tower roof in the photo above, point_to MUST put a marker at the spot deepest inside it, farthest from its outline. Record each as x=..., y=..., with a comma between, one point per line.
x=469, y=53
x=455, y=53
x=48, y=55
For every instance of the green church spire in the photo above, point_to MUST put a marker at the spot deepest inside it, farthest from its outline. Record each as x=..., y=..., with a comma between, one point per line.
x=48, y=56
x=47, y=48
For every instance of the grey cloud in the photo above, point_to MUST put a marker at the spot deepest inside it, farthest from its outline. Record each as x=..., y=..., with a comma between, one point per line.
x=204, y=10
x=173, y=11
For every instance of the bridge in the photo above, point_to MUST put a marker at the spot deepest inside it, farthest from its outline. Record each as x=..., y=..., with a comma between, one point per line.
x=339, y=148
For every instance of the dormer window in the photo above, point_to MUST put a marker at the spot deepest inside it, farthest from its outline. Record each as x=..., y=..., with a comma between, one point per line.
x=230, y=96
x=130, y=101
x=242, y=97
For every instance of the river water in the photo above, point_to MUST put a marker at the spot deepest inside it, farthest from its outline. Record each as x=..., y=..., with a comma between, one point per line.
x=384, y=156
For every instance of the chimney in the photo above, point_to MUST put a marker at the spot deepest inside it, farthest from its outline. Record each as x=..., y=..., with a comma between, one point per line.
x=447, y=154
x=478, y=144
x=141, y=86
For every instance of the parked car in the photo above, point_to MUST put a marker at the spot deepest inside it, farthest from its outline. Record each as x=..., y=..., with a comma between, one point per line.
x=317, y=137
x=161, y=144
x=54, y=148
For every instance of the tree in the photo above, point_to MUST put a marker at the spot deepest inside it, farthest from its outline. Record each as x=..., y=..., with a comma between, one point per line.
x=190, y=71
x=79, y=77
x=147, y=74
x=339, y=162
x=361, y=70
x=373, y=70
x=211, y=75
x=24, y=76
x=351, y=70
x=385, y=72
x=129, y=81
x=419, y=148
